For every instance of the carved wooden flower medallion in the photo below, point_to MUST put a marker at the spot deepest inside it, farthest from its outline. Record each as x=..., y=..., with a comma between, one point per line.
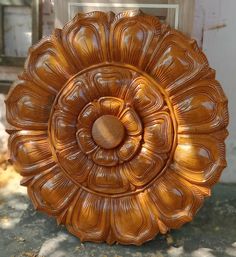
x=117, y=127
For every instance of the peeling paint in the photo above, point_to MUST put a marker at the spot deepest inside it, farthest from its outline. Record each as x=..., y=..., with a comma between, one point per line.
x=220, y=26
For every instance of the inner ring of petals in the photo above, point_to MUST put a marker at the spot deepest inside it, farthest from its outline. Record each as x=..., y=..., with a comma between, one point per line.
x=108, y=131
x=75, y=95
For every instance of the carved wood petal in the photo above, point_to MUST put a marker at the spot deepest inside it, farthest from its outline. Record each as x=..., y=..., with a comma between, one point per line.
x=52, y=66
x=26, y=99
x=158, y=133
x=199, y=158
x=110, y=180
x=30, y=152
x=177, y=204
x=86, y=37
x=130, y=222
x=51, y=191
x=95, y=211
x=63, y=135
x=201, y=108
x=105, y=157
x=144, y=167
x=140, y=33
x=129, y=148
x=111, y=105
x=88, y=115
x=117, y=127
x=85, y=141
x=146, y=98
x=178, y=62
x=111, y=82
x=75, y=164
x=131, y=122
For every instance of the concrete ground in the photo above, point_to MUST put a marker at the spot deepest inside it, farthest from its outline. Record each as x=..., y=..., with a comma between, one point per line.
x=26, y=233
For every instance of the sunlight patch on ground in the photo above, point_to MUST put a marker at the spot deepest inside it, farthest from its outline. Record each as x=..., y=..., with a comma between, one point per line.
x=203, y=252
x=50, y=246
x=231, y=251
x=12, y=205
x=10, y=182
x=175, y=251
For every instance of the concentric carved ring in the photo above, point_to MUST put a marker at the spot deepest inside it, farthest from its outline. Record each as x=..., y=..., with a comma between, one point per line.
x=117, y=127
x=120, y=126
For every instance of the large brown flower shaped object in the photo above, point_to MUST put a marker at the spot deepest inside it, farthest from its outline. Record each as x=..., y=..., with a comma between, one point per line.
x=117, y=127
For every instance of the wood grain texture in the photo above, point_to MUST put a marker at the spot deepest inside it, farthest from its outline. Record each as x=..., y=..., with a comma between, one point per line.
x=149, y=173
x=108, y=131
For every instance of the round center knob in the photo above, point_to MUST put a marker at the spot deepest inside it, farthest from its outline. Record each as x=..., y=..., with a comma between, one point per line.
x=108, y=131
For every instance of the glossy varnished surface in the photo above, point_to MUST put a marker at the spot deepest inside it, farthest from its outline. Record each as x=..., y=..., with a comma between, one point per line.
x=108, y=131
x=117, y=127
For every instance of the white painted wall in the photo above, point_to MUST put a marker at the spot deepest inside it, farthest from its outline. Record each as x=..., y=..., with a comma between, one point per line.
x=215, y=29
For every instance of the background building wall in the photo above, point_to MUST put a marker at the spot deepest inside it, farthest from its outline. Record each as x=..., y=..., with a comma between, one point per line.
x=214, y=28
